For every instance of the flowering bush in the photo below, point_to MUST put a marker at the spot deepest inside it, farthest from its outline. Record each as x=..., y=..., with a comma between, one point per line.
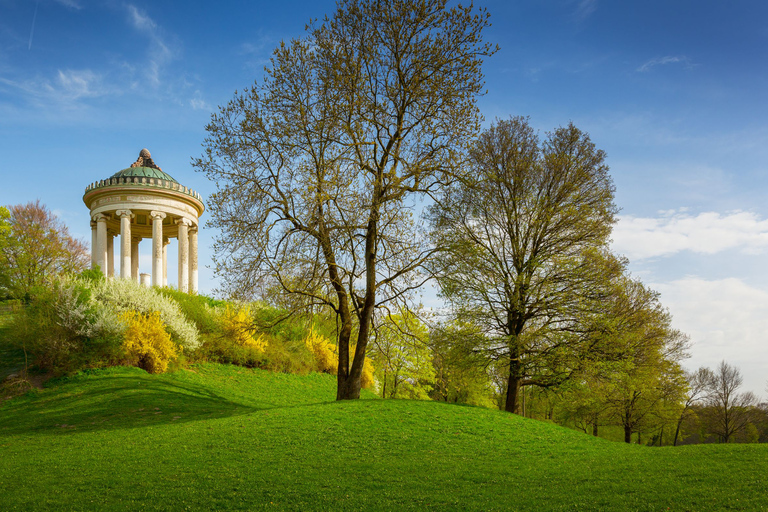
x=327, y=357
x=125, y=295
x=237, y=323
x=147, y=344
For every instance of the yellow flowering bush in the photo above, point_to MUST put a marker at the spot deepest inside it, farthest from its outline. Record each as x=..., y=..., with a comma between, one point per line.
x=325, y=353
x=237, y=323
x=327, y=357
x=146, y=342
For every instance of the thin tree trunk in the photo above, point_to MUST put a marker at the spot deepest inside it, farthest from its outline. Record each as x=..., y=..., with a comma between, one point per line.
x=627, y=433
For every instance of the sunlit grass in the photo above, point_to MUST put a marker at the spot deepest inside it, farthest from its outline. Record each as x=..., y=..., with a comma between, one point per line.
x=222, y=437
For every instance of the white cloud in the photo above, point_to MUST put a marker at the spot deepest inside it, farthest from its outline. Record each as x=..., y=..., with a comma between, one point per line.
x=676, y=231
x=661, y=61
x=64, y=89
x=159, y=52
x=140, y=20
x=726, y=319
x=198, y=103
x=72, y=4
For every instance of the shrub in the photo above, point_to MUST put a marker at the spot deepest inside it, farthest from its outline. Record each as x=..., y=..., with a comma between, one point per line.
x=238, y=325
x=327, y=358
x=147, y=344
x=125, y=295
x=65, y=330
x=201, y=310
x=325, y=353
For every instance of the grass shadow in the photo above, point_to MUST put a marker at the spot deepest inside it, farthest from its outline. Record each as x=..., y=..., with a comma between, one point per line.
x=117, y=402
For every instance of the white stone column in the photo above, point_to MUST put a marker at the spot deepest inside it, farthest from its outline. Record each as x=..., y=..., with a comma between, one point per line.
x=110, y=254
x=193, y=259
x=94, y=252
x=166, y=243
x=157, y=247
x=184, y=253
x=135, y=258
x=125, y=242
x=101, y=241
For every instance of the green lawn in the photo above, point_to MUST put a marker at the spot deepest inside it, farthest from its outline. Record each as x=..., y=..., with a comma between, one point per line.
x=226, y=438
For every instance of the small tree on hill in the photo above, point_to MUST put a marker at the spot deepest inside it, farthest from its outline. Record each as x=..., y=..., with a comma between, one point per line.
x=729, y=410
x=37, y=247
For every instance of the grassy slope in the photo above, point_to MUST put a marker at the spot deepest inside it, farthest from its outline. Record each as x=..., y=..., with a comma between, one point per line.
x=228, y=438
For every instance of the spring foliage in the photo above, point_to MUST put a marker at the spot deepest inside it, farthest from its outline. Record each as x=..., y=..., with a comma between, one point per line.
x=147, y=344
x=237, y=323
x=326, y=358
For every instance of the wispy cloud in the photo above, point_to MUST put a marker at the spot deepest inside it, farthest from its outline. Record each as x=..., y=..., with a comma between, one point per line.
x=663, y=61
x=72, y=4
x=198, y=103
x=584, y=9
x=257, y=51
x=64, y=89
x=159, y=52
x=675, y=231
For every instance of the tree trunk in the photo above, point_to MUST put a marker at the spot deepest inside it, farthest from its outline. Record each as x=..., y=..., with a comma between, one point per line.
x=594, y=428
x=513, y=387
x=677, y=430
x=627, y=434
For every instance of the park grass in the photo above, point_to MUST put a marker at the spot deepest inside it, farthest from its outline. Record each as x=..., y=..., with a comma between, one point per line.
x=219, y=437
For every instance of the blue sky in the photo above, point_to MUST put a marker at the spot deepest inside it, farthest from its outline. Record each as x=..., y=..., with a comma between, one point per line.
x=674, y=92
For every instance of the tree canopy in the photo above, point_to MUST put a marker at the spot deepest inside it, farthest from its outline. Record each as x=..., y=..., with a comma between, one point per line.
x=318, y=167
x=526, y=247
x=35, y=245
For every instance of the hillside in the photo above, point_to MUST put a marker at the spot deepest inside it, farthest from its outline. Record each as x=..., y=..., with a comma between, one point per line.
x=223, y=437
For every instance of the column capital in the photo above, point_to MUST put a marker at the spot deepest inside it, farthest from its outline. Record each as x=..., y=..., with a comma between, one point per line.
x=124, y=213
x=99, y=217
x=185, y=221
x=166, y=240
x=156, y=215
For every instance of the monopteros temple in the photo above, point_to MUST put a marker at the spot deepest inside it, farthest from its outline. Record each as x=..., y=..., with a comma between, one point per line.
x=142, y=202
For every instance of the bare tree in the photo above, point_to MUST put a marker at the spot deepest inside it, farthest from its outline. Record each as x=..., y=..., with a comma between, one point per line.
x=731, y=411
x=698, y=385
x=319, y=168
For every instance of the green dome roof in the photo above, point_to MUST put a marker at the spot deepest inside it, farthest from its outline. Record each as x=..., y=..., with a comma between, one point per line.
x=143, y=172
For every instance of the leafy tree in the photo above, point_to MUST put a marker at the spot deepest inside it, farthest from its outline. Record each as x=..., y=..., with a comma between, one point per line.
x=5, y=239
x=638, y=375
x=729, y=411
x=527, y=236
x=402, y=357
x=34, y=247
x=319, y=166
x=461, y=374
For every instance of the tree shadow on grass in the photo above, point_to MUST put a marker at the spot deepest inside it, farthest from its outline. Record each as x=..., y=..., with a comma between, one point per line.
x=117, y=402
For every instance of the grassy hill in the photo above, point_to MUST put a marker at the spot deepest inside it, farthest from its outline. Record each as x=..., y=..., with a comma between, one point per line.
x=227, y=438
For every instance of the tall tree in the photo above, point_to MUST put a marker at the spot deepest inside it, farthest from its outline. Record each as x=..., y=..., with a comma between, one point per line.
x=527, y=237
x=319, y=166
x=730, y=410
x=38, y=247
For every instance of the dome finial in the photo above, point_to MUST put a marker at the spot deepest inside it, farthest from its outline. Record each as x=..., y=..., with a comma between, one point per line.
x=145, y=160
